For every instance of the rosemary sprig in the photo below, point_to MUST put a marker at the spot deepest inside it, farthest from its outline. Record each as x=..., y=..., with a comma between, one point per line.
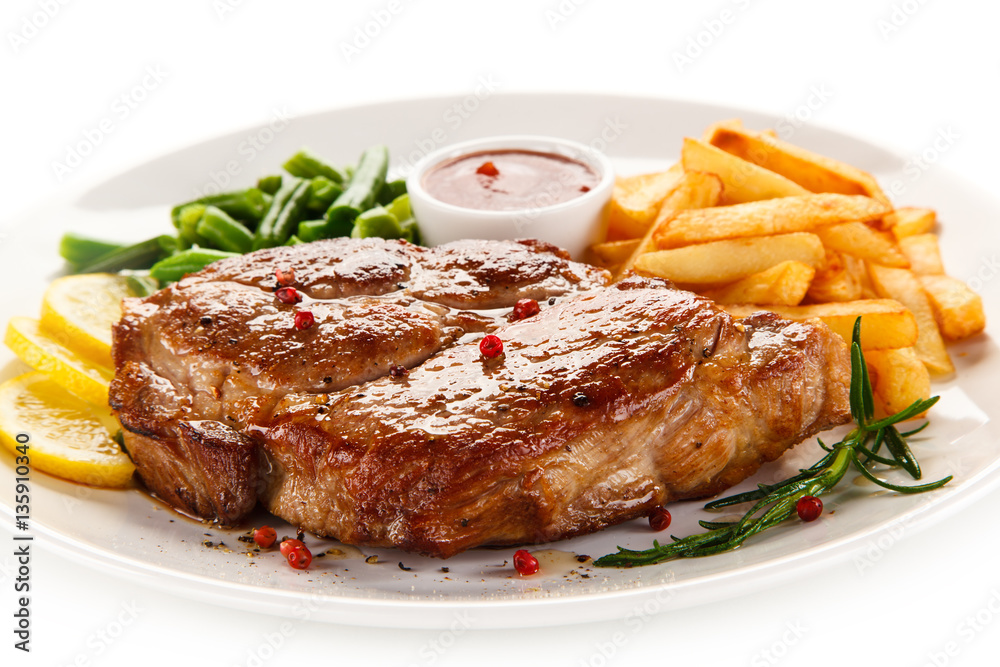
x=775, y=503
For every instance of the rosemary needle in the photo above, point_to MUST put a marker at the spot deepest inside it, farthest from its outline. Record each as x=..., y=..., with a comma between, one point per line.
x=775, y=503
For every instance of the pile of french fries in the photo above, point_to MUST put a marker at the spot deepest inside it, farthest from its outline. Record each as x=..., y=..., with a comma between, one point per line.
x=756, y=223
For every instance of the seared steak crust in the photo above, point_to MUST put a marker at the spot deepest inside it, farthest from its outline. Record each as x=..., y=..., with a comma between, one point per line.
x=604, y=405
x=201, y=362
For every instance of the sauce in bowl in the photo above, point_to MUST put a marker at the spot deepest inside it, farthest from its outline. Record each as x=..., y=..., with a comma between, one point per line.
x=512, y=187
x=509, y=180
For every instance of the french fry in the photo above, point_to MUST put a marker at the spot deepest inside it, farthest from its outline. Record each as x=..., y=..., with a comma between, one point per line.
x=868, y=290
x=814, y=172
x=903, y=286
x=731, y=260
x=772, y=216
x=635, y=201
x=958, y=310
x=695, y=190
x=885, y=324
x=732, y=123
x=783, y=284
x=744, y=181
x=756, y=223
x=611, y=254
x=924, y=254
x=910, y=220
x=863, y=242
x=898, y=379
x=837, y=279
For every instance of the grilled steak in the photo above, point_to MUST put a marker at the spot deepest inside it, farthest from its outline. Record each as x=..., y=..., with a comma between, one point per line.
x=604, y=405
x=200, y=362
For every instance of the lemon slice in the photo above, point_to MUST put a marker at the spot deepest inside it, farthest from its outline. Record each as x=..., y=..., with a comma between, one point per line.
x=87, y=380
x=67, y=436
x=80, y=310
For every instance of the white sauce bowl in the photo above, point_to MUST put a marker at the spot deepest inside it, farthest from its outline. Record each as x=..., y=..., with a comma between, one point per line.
x=572, y=225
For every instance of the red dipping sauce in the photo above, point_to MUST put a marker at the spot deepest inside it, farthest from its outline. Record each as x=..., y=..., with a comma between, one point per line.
x=509, y=180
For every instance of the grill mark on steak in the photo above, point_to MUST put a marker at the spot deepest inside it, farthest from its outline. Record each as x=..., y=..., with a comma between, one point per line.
x=606, y=404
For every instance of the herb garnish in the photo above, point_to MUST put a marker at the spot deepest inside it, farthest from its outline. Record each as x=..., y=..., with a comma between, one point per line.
x=775, y=503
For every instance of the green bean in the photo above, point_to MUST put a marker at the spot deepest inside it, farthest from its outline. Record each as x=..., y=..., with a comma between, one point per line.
x=247, y=206
x=340, y=221
x=288, y=217
x=269, y=184
x=360, y=194
x=265, y=236
x=187, y=225
x=322, y=194
x=81, y=250
x=312, y=230
x=293, y=212
x=223, y=232
x=376, y=222
x=411, y=232
x=176, y=266
x=282, y=209
x=399, y=208
x=306, y=165
x=391, y=190
x=137, y=256
x=368, y=180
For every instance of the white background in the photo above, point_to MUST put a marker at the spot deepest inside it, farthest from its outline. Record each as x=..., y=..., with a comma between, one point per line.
x=892, y=72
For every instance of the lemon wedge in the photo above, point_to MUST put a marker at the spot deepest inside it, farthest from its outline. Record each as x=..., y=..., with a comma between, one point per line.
x=66, y=436
x=79, y=376
x=80, y=310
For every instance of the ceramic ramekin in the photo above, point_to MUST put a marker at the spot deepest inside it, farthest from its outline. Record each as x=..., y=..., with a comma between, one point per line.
x=572, y=225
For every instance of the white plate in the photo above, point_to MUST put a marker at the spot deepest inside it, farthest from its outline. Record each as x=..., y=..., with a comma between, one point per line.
x=127, y=533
